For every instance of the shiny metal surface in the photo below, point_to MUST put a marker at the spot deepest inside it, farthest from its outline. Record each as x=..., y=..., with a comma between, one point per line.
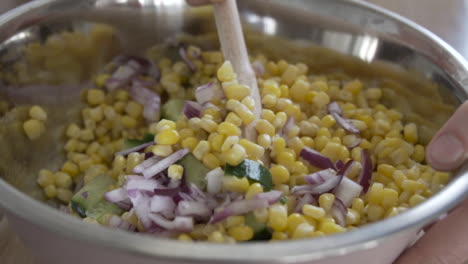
x=350, y=27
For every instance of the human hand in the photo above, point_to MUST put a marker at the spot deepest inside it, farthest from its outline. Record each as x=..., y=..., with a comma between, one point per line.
x=446, y=242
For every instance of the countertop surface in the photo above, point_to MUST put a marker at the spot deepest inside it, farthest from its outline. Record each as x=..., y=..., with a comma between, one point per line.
x=447, y=19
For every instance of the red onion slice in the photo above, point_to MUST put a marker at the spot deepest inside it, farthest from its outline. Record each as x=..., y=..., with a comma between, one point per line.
x=161, y=204
x=192, y=109
x=205, y=93
x=117, y=222
x=119, y=197
x=320, y=176
x=272, y=196
x=305, y=199
x=214, y=181
x=339, y=164
x=334, y=109
x=324, y=187
x=347, y=190
x=180, y=223
x=122, y=76
x=164, y=163
x=138, y=148
x=338, y=211
x=238, y=208
x=316, y=159
x=258, y=68
x=145, y=164
x=193, y=208
x=185, y=58
x=343, y=172
x=366, y=172
x=356, y=143
x=141, y=205
x=149, y=99
x=142, y=185
x=287, y=126
x=167, y=191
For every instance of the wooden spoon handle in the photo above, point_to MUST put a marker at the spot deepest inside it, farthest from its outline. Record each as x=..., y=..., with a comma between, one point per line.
x=234, y=49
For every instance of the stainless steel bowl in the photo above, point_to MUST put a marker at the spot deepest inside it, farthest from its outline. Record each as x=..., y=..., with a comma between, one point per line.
x=369, y=33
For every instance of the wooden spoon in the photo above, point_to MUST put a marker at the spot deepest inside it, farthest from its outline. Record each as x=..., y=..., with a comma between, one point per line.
x=234, y=49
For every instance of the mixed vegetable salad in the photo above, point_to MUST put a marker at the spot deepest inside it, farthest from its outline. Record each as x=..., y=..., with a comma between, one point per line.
x=160, y=149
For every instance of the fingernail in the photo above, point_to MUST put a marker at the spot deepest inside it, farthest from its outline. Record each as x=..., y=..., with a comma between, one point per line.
x=446, y=152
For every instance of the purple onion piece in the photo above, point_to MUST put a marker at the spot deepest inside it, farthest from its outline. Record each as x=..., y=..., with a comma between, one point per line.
x=205, y=93
x=366, y=171
x=339, y=164
x=185, y=58
x=167, y=191
x=180, y=223
x=316, y=159
x=338, y=211
x=138, y=148
x=146, y=163
x=272, y=196
x=258, y=68
x=149, y=99
x=346, y=124
x=334, y=108
x=320, y=176
x=305, y=199
x=164, y=163
x=343, y=172
x=238, y=208
x=192, y=109
x=119, y=197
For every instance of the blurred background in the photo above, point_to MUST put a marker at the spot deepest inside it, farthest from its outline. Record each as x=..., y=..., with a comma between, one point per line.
x=447, y=19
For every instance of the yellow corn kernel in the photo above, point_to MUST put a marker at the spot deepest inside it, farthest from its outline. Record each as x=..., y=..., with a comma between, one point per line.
x=216, y=141
x=95, y=96
x=164, y=124
x=162, y=150
x=190, y=142
x=73, y=131
x=208, y=125
x=313, y=211
x=286, y=159
x=38, y=113
x=277, y=217
x=229, y=129
x=254, y=189
x=326, y=201
x=133, y=159
x=235, y=184
x=261, y=215
x=63, y=180
x=303, y=230
x=386, y=170
x=236, y=220
x=271, y=87
x=418, y=154
x=45, y=178
x=244, y=113
x=226, y=72
x=229, y=143
x=167, y=137
x=134, y=109
x=235, y=155
x=280, y=120
x=253, y=150
x=233, y=119
x=70, y=168
x=329, y=227
x=294, y=220
x=264, y=140
x=279, y=236
x=185, y=133
x=375, y=194
x=235, y=91
x=410, y=133
x=64, y=195
x=299, y=90
x=390, y=198
x=358, y=205
x=352, y=217
x=201, y=149
x=328, y=121
x=412, y=186
x=354, y=87
x=86, y=134
x=332, y=150
x=241, y=232
x=289, y=74
x=416, y=199
x=375, y=212
x=175, y=172
x=265, y=127
x=211, y=161
x=50, y=191
x=33, y=128
x=278, y=144
x=373, y=93
x=128, y=121
x=268, y=115
x=279, y=174
x=398, y=177
x=216, y=237
x=184, y=237
x=321, y=99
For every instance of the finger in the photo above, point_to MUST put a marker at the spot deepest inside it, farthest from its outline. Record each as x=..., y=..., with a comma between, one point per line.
x=446, y=242
x=203, y=2
x=449, y=147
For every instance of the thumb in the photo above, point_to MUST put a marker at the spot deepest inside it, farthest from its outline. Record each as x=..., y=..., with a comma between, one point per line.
x=449, y=147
